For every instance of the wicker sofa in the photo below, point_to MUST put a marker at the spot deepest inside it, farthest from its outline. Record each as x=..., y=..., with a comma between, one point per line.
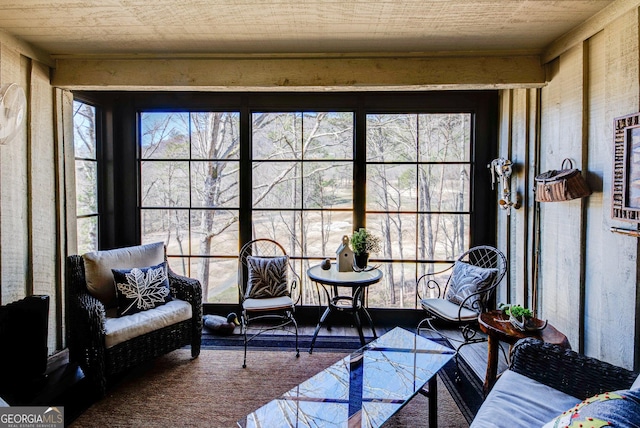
x=90, y=321
x=545, y=380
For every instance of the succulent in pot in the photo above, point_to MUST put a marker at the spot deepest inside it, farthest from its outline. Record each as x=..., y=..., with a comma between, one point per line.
x=522, y=318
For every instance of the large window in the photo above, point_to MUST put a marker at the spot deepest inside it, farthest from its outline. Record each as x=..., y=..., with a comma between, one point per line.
x=85, y=148
x=302, y=191
x=418, y=196
x=210, y=171
x=189, y=194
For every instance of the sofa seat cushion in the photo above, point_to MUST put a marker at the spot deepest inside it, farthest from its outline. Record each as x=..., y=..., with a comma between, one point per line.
x=636, y=383
x=518, y=401
x=121, y=329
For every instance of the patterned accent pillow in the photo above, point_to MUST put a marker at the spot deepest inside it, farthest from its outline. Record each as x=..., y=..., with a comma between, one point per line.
x=267, y=277
x=467, y=279
x=139, y=289
x=615, y=409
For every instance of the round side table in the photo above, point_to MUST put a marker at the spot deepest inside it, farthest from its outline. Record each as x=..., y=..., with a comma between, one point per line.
x=356, y=282
x=497, y=326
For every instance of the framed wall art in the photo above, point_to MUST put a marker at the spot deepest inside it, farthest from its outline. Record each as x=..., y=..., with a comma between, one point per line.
x=626, y=169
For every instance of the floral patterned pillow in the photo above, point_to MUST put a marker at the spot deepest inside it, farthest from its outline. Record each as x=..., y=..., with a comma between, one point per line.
x=467, y=279
x=267, y=277
x=614, y=409
x=139, y=289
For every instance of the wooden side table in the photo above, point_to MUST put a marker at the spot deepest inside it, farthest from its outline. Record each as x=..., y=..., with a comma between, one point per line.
x=497, y=326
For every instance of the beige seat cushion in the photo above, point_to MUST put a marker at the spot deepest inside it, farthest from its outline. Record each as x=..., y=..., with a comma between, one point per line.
x=121, y=329
x=447, y=310
x=98, y=265
x=268, y=304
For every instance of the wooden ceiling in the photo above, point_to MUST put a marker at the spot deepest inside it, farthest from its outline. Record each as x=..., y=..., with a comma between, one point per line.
x=79, y=28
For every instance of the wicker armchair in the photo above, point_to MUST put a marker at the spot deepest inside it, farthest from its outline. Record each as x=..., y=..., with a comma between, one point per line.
x=545, y=382
x=567, y=371
x=86, y=317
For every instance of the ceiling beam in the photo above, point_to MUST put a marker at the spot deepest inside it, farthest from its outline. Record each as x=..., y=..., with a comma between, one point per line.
x=304, y=73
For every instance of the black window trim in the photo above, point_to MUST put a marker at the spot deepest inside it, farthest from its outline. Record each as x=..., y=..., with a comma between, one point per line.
x=120, y=223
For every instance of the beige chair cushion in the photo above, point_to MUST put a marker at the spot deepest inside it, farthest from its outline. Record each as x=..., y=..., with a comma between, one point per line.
x=268, y=304
x=98, y=265
x=121, y=329
x=447, y=310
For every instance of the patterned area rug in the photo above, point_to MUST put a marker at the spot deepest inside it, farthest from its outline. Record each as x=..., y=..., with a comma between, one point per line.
x=283, y=342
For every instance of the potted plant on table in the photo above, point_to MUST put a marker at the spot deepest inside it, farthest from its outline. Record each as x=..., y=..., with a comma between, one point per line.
x=363, y=243
x=522, y=318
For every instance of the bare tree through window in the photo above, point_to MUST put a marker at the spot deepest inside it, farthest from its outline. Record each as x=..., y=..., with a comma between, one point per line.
x=302, y=170
x=85, y=148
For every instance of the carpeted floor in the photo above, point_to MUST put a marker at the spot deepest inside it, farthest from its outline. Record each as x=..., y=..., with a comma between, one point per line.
x=215, y=391
x=463, y=385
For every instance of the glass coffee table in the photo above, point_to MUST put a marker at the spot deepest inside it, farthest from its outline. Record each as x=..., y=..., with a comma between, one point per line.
x=363, y=389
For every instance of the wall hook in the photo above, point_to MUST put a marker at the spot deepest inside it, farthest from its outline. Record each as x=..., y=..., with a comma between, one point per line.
x=501, y=170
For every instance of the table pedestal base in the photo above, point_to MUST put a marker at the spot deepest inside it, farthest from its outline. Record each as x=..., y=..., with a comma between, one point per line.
x=335, y=305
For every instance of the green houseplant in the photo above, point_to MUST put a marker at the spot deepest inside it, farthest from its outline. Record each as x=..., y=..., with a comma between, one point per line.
x=363, y=243
x=522, y=318
x=518, y=312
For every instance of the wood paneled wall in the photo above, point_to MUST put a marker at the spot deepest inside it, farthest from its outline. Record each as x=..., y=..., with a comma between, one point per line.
x=587, y=276
x=31, y=236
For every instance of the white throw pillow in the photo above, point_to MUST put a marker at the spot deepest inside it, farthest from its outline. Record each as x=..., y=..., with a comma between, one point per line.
x=98, y=265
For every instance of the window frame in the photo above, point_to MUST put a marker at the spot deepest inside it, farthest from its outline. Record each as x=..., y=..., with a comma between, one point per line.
x=122, y=214
x=191, y=208
x=99, y=136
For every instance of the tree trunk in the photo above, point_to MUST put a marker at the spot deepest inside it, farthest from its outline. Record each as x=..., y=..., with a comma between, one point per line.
x=211, y=193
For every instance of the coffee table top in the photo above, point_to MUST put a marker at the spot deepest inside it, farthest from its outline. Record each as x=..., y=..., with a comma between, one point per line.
x=369, y=386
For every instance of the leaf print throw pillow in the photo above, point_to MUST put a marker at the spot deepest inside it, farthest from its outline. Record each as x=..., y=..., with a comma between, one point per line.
x=467, y=279
x=267, y=277
x=139, y=289
x=610, y=409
